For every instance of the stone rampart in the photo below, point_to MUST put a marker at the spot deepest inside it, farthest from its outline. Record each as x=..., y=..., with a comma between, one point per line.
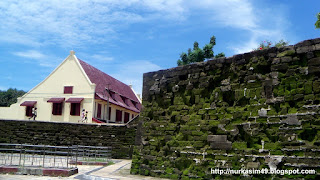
x=120, y=137
x=254, y=110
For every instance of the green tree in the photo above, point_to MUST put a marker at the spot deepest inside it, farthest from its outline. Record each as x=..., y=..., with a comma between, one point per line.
x=317, y=24
x=10, y=96
x=220, y=55
x=195, y=45
x=198, y=54
x=208, y=52
x=213, y=40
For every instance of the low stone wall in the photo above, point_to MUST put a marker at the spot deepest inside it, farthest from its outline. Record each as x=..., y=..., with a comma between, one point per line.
x=254, y=110
x=38, y=171
x=120, y=138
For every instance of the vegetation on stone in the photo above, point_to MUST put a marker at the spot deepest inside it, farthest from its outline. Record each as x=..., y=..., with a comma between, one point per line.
x=268, y=44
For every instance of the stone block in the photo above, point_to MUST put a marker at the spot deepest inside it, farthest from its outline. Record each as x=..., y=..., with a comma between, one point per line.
x=262, y=112
x=303, y=43
x=279, y=67
x=253, y=165
x=298, y=97
x=310, y=55
x=286, y=59
x=313, y=69
x=314, y=61
x=316, y=86
x=287, y=53
x=276, y=61
x=225, y=88
x=217, y=138
x=241, y=61
x=305, y=49
x=292, y=120
x=221, y=145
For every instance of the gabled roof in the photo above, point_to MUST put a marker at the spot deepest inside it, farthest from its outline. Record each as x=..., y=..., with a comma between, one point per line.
x=102, y=80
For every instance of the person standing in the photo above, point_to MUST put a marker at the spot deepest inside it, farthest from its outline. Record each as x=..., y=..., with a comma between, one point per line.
x=86, y=117
x=82, y=115
x=34, y=113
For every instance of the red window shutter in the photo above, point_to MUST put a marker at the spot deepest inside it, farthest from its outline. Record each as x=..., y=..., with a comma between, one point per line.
x=29, y=111
x=54, y=108
x=99, y=111
x=57, y=109
x=68, y=89
x=72, y=109
x=75, y=109
x=126, y=117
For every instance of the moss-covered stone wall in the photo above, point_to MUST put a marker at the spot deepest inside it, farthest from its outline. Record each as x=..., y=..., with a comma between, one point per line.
x=120, y=138
x=254, y=110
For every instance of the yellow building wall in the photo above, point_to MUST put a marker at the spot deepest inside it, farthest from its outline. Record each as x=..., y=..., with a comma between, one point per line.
x=113, y=111
x=68, y=73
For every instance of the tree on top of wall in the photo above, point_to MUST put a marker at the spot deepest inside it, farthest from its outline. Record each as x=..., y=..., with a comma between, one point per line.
x=317, y=24
x=197, y=54
x=10, y=96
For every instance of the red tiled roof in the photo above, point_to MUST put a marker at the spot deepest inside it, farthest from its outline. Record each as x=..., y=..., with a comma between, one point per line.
x=102, y=80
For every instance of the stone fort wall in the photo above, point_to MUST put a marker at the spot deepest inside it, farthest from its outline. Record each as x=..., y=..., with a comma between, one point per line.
x=121, y=138
x=254, y=110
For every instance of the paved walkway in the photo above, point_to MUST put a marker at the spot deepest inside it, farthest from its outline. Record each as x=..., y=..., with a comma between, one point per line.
x=118, y=171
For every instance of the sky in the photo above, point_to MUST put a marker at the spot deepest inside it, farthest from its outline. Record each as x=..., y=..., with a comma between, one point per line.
x=126, y=38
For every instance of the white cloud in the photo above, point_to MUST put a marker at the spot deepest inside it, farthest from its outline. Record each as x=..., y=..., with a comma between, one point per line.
x=246, y=17
x=233, y=13
x=72, y=23
x=76, y=23
x=101, y=58
x=33, y=56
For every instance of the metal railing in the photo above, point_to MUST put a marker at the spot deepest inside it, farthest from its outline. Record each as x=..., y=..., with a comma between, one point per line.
x=45, y=156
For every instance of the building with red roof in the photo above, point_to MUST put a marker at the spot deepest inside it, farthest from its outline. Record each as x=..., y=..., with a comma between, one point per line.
x=75, y=91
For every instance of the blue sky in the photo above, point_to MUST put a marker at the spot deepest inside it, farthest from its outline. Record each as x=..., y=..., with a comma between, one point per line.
x=126, y=38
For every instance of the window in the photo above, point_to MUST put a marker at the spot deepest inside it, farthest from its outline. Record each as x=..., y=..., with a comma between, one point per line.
x=126, y=117
x=99, y=111
x=135, y=104
x=118, y=116
x=124, y=99
x=113, y=95
x=68, y=89
x=57, y=108
x=29, y=111
x=75, y=109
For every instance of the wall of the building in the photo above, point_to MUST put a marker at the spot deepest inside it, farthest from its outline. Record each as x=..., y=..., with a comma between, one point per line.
x=113, y=111
x=68, y=73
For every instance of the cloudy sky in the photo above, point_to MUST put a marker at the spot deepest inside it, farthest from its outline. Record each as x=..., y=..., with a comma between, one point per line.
x=126, y=38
